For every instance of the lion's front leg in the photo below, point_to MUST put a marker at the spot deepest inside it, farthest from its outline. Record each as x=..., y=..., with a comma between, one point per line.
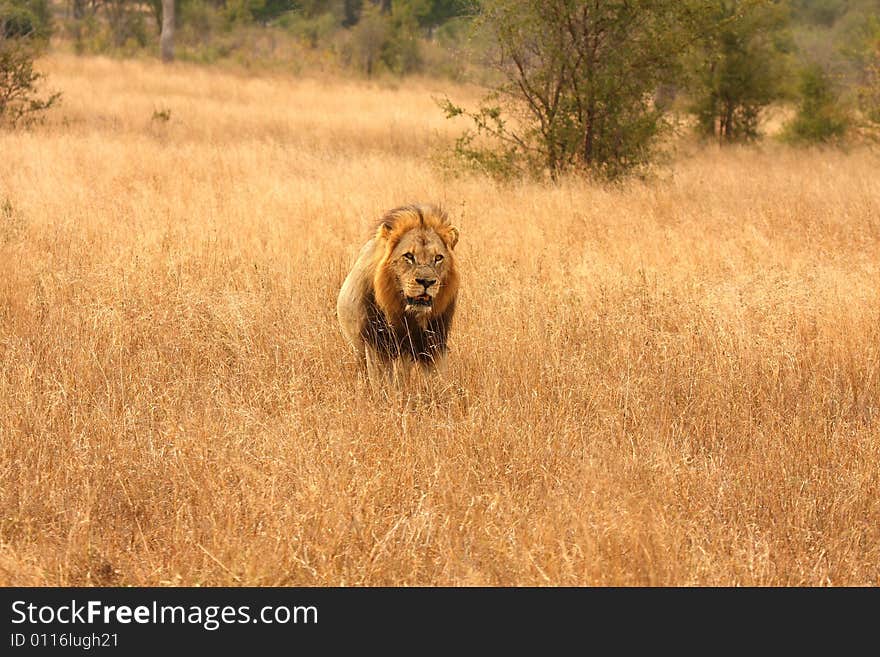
x=401, y=373
x=431, y=375
x=377, y=369
x=387, y=375
x=438, y=366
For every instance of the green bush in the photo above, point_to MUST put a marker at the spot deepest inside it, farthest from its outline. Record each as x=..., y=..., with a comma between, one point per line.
x=401, y=52
x=128, y=28
x=737, y=66
x=385, y=41
x=30, y=18
x=868, y=52
x=257, y=11
x=563, y=103
x=368, y=38
x=489, y=147
x=819, y=118
x=820, y=12
x=313, y=31
x=19, y=103
x=199, y=20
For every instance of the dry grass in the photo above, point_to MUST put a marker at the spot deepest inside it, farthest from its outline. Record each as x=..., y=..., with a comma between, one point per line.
x=671, y=383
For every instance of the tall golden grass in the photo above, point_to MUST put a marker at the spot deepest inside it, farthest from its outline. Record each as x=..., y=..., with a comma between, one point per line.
x=674, y=382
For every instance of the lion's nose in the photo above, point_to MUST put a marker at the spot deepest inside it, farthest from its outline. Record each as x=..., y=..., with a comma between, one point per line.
x=426, y=282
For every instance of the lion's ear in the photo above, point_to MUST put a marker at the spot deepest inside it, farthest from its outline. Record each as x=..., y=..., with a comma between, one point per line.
x=452, y=237
x=385, y=229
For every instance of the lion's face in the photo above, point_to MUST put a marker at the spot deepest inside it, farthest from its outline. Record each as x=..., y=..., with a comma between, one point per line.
x=420, y=262
x=415, y=274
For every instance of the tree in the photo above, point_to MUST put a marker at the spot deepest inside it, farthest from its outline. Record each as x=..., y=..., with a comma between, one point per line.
x=578, y=81
x=819, y=12
x=25, y=18
x=166, y=39
x=429, y=13
x=265, y=11
x=866, y=54
x=869, y=91
x=440, y=11
x=22, y=34
x=387, y=42
x=368, y=38
x=400, y=52
x=126, y=22
x=78, y=9
x=738, y=67
x=819, y=117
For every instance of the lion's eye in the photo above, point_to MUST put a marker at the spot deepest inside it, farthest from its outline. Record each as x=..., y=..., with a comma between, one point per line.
x=409, y=257
x=438, y=257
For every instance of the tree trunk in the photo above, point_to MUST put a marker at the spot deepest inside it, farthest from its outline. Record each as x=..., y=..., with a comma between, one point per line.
x=166, y=40
x=589, y=135
x=728, y=122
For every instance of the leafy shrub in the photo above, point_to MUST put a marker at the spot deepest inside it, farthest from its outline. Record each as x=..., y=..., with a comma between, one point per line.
x=19, y=103
x=738, y=66
x=313, y=31
x=368, y=38
x=570, y=104
x=257, y=11
x=199, y=20
x=25, y=18
x=819, y=117
x=869, y=90
x=401, y=52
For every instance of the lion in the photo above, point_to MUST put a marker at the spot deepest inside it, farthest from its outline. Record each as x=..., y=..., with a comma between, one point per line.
x=396, y=305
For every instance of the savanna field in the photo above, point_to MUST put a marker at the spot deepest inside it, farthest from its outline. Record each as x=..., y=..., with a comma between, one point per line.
x=669, y=382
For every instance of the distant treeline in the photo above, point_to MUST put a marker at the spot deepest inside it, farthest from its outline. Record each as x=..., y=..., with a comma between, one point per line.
x=574, y=84
x=371, y=36
x=390, y=34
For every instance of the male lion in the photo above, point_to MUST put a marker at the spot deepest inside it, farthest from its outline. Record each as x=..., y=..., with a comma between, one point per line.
x=396, y=304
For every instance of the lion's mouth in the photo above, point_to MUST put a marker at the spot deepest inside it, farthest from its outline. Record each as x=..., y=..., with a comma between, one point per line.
x=420, y=300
